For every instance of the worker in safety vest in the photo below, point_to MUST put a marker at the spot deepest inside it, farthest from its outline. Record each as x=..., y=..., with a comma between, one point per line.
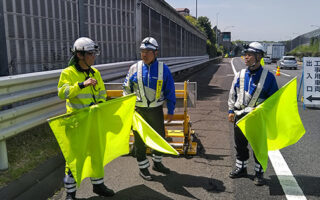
x=250, y=87
x=152, y=82
x=81, y=86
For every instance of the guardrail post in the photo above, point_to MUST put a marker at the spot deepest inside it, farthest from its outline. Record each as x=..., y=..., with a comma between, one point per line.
x=3, y=155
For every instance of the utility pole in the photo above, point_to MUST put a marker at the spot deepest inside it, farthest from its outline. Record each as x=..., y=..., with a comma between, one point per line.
x=196, y=9
x=217, y=30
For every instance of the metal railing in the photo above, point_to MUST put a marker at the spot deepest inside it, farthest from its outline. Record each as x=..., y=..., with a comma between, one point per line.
x=27, y=100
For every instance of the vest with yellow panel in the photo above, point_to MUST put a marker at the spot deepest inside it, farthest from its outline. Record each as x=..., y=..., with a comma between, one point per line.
x=148, y=97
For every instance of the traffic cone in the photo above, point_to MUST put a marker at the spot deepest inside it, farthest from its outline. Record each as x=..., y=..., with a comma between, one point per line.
x=278, y=71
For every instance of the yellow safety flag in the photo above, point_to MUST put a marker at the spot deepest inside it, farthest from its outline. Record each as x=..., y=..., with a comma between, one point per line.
x=150, y=137
x=92, y=137
x=274, y=124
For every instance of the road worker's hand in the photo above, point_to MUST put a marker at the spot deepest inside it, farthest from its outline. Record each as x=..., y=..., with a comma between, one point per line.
x=231, y=117
x=169, y=118
x=90, y=81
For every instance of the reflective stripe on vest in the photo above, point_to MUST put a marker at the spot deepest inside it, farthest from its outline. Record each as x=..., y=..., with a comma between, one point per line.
x=241, y=96
x=76, y=106
x=144, y=101
x=256, y=95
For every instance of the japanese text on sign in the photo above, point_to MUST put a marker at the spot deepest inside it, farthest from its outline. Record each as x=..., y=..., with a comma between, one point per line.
x=311, y=80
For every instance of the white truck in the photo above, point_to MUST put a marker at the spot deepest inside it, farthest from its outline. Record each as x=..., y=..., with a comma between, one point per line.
x=275, y=51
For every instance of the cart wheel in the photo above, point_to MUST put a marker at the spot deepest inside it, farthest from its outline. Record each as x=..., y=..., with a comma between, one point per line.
x=200, y=148
x=185, y=152
x=188, y=156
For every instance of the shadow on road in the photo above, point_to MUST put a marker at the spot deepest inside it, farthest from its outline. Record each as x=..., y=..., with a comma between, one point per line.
x=214, y=157
x=201, y=151
x=177, y=183
x=138, y=192
x=174, y=183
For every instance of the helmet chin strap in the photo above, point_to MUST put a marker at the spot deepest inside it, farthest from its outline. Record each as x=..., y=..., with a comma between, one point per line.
x=85, y=62
x=252, y=67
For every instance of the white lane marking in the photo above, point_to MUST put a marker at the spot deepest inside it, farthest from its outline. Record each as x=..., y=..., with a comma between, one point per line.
x=233, y=69
x=281, y=73
x=286, y=179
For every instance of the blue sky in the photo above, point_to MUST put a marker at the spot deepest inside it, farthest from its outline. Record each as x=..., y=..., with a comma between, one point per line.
x=257, y=20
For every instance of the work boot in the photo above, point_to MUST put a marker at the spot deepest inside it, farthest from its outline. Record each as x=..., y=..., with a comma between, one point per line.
x=102, y=190
x=258, y=179
x=71, y=196
x=238, y=172
x=159, y=167
x=145, y=174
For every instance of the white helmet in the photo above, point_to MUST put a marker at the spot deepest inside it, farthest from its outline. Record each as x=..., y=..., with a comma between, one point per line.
x=85, y=44
x=149, y=43
x=254, y=47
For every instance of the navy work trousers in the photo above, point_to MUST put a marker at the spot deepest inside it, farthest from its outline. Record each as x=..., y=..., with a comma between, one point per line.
x=154, y=117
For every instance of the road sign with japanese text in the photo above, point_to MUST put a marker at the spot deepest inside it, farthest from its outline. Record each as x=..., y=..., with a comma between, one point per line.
x=311, y=80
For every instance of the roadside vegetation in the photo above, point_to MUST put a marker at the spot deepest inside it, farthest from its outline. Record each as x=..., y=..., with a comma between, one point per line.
x=204, y=25
x=310, y=50
x=28, y=150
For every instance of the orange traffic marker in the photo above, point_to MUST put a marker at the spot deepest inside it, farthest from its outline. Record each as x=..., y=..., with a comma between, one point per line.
x=278, y=71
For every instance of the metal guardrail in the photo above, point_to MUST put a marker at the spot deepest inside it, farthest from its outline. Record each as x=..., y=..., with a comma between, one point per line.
x=31, y=98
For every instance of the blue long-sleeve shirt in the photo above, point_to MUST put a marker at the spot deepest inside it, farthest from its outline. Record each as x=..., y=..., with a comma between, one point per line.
x=149, y=79
x=251, y=80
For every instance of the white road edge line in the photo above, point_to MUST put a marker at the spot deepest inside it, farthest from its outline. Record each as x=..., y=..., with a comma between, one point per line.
x=285, y=177
x=233, y=69
x=282, y=73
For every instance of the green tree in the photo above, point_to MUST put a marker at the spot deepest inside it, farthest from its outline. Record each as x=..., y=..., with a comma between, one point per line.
x=204, y=24
x=306, y=50
x=195, y=23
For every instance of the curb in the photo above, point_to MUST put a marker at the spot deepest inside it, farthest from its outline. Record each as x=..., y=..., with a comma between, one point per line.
x=40, y=183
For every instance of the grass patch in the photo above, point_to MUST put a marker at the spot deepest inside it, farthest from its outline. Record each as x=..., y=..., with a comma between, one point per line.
x=27, y=150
